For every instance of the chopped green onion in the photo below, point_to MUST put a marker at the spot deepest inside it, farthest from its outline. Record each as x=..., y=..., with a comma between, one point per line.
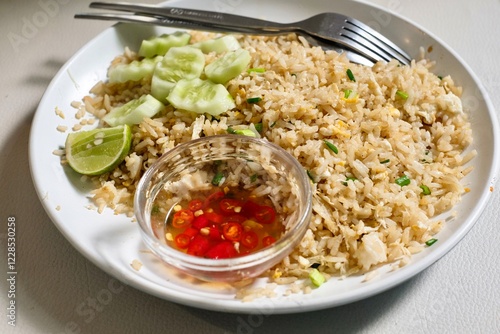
x=256, y=70
x=245, y=132
x=403, y=180
x=385, y=161
x=253, y=178
x=258, y=127
x=218, y=177
x=311, y=176
x=440, y=77
x=431, y=242
x=316, y=277
x=347, y=93
x=425, y=190
x=272, y=124
x=347, y=179
x=402, y=94
x=254, y=99
x=315, y=265
x=332, y=147
x=155, y=209
x=350, y=75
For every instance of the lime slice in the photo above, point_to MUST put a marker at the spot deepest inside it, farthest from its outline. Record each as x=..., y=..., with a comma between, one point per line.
x=98, y=151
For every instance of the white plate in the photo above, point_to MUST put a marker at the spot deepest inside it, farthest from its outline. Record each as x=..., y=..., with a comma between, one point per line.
x=113, y=242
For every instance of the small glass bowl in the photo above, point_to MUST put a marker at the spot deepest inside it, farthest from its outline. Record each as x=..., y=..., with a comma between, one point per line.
x=188, y=168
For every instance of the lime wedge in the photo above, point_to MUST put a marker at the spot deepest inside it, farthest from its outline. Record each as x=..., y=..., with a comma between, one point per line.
x=98, y=151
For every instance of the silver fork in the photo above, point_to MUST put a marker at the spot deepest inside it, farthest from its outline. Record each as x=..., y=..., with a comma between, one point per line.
x=335, y=28
x=326, y=45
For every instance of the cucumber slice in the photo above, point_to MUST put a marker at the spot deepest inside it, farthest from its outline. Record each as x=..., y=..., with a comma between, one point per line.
x=228, y=66
x=134, y=111
x=201, y=96
x=182, y=62
x=159, y=45
x=218, y=45
x=134, y=71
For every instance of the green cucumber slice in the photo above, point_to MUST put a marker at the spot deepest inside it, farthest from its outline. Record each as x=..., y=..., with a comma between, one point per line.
x=134, y=111
x=182, y=62
x=218, y=45
x=228, y=66
x=159, y=45
x=201, y=96
x=134, y=71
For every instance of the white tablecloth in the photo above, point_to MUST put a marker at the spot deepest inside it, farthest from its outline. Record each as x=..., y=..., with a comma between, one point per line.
x=458, y=294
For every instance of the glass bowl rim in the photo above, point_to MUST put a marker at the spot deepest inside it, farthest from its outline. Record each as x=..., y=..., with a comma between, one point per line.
x=291, y=236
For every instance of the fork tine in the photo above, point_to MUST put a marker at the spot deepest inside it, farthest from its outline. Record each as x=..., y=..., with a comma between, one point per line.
x=358, y=47
x=360, y=32
x=361, y=42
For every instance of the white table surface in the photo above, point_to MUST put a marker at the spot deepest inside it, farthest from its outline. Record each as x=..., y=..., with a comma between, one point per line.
x=458, y=294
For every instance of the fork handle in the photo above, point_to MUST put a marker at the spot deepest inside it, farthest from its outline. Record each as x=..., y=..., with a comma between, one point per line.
x=198, y=16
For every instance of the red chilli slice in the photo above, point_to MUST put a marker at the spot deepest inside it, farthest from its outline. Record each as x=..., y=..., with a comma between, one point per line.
x=249, y=239
x=182, y=218
x=223, y=250
x=232, y=231
x=182, y=240
x=230, y=205
x=265, y=214
x=199, y=246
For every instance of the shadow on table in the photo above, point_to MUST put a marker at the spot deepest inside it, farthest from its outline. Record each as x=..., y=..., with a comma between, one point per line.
x=356, y=317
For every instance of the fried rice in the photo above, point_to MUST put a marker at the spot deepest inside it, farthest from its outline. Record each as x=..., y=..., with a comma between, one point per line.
x=388, y=122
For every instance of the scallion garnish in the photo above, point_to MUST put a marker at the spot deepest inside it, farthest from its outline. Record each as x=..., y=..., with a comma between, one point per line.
x=311, y=176
x=403, y=180
x=258, y=127
x=245, y=132
x=385, y=161
x=350, y=75
x=347, y=93
x=217, y=179
x=402, y=94
x=347, y=179
x=425, y=189
x=256, y=99
x=253, y=178
x=316, y=277
x=431, y=242
x=256, y=70
x=332, y=147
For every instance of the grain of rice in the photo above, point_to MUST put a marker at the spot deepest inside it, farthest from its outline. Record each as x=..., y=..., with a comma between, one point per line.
x=59, y=113
x=59, y=153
